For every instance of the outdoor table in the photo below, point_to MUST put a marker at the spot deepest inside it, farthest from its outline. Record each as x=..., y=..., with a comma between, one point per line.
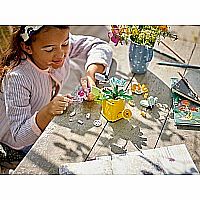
x=65, y=142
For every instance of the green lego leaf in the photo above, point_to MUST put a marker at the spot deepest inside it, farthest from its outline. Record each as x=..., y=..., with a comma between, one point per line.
x=96, y=91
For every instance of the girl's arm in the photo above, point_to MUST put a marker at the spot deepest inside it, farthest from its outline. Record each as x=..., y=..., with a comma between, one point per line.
x=23, y=127
x=93, y=50
x=26, y=126
x=97, y=54
x=94, y=68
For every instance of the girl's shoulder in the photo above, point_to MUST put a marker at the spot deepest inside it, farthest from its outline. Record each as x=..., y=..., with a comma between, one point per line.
x=23, y=70
x=20, y=76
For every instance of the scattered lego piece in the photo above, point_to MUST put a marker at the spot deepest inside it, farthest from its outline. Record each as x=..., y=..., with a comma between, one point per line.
x=131, y=103
x=137, y=88
x=88, y=116
x=145, y=95
x=144, y=88
x=144, y=114
x=101, y=77
x=159, y=105
x=72, y=114
x=144, y=103
x=70, y=120
x=97, y=123
x=80, y=122
x=150, y=102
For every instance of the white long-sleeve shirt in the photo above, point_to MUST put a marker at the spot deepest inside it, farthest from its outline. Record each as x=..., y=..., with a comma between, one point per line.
x=27, y=89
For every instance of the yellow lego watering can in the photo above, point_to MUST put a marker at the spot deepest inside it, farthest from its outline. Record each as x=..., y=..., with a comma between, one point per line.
x=114, y=110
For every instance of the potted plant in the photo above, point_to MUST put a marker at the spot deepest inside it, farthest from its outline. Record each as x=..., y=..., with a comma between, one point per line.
x=142, y=39
x=113, y=100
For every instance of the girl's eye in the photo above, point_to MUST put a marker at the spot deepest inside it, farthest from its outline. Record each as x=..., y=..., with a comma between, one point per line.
x=65, y=44
x=48, y=49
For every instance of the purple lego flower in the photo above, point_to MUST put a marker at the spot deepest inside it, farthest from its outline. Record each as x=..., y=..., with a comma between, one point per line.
x=81, y=93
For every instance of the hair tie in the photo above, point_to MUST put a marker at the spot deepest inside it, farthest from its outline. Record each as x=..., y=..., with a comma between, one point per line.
x=28, y=31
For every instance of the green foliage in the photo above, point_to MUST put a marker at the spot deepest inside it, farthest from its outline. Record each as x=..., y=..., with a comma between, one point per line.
x=115, y=94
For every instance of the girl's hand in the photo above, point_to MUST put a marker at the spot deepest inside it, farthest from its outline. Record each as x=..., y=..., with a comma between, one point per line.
x=87, y=83
x=90, y=74
x=55, y=107
x=59, y=104
x=70, y=97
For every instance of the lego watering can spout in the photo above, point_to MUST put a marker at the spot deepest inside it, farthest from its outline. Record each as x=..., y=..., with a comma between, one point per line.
x=126, y=114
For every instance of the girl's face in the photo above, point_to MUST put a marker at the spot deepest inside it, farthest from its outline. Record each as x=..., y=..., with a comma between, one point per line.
x=50, y=47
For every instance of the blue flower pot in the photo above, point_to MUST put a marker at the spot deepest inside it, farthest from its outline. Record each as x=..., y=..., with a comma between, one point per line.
x=139, y=57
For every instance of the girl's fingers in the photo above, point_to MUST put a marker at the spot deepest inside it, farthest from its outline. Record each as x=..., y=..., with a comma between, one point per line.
x=62, y=100
x=69, y=96
x=84, y=83
x=60, y=104
x=58, y=112
x=91, y=82
x=68, y=101
x=61, y=107
x=90, y=97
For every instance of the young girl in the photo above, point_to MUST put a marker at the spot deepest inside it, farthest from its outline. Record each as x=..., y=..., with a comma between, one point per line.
x=38, y=63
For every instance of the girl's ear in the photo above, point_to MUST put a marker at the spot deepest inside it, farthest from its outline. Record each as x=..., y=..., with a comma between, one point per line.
x=26, y=48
